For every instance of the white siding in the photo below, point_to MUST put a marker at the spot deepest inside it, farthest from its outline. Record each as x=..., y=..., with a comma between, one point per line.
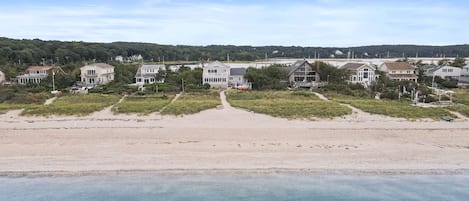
x=216, y=74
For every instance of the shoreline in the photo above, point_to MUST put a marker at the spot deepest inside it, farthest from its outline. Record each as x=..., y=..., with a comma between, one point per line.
x=230, y=140
x=367, y=172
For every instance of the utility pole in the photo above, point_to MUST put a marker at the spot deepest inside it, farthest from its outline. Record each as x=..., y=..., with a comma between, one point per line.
x=53, y=80
x=182, y=84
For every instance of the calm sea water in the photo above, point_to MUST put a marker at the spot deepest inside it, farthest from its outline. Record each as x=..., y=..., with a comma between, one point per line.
x=228, y=187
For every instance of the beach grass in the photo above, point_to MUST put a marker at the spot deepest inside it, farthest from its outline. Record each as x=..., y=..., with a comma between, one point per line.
x=74, y=105
x=461, y=96
x=460, y=108
x=142, y=105
x=287, y=104
x=392, y=108
x=193, y=102
x=5, y=107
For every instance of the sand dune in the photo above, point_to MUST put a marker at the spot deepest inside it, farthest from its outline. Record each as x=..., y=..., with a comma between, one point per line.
x=229, y=139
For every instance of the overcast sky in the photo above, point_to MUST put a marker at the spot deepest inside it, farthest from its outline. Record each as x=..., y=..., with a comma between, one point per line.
x=339, y=23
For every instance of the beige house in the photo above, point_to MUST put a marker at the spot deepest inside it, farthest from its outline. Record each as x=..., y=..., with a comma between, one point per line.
x=399, y=71
x=35, y=74
x=216, y=74
x=303, y=74
x=2, y=78
x=96, y=74
x=363, y=74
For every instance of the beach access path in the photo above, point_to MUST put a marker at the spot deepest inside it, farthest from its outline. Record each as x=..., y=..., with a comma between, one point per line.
x=229, y=139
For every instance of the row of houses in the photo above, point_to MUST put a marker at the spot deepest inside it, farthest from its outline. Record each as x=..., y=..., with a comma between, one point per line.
x=300, y=74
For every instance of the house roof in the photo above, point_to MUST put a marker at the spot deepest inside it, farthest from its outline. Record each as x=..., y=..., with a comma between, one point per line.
x=296, y=65
x=402, y=75
x=432, y=68
x=217, y=64
x=143, y=67
x=32, y=68
x=398, y=66
x=356, y=66
x=100, y=65
x=237, y=71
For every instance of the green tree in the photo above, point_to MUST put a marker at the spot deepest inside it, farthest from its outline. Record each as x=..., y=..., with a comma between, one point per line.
x=459, y=62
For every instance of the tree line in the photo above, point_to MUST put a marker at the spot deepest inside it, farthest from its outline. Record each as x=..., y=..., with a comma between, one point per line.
x=20, y=53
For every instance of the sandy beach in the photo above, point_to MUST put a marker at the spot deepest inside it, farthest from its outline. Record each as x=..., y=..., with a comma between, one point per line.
x=229, y=139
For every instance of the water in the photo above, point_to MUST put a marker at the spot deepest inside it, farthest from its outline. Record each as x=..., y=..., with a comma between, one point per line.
x=228, y=187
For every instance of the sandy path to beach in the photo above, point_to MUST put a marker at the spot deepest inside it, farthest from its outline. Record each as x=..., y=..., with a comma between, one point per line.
x=229, y=139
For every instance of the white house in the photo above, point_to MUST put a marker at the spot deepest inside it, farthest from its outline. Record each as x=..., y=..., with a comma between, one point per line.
x=119, y=59
x=445, y=72
x=399, y=71
x=361, y=73
x=2, y=78
x=464, y=78
x=34, y=74
x=96, y=74
x=465, y=71
x=237, y=77
x=148, y=74
x=216, y=74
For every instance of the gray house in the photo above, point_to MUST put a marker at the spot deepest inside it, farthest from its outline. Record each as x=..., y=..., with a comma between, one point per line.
x=464, y=78
x=148, y=74
x=237, y=77
x=303, y=75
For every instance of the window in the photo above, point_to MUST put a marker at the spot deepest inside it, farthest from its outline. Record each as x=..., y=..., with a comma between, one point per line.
x=393, y=71
x=365, y=73
x=445, y=70
x=450, y=70
x=91, y=72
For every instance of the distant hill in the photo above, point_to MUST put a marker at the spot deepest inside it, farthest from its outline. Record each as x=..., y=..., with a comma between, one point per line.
x=33, y=52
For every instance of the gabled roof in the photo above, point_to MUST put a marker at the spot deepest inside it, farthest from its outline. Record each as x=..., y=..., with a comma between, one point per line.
x=144, y=67
x=99, y=65
x=352, y=66
x=296, y=65
x=217, y=64
x=237, y=71
x=398, y=66
x=433, y=68
x=33, y=68
x=356, y=66
x=402, y=75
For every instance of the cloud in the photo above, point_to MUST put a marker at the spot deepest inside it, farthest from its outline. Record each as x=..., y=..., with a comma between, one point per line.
x=324, y=23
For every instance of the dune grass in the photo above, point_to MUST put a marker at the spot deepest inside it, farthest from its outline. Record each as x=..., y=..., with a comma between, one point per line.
x=297, y=104
x=461, y=96
x=5, y=107
x=78, y=105
x=392, y=108
x=142, y=105
x=193, y=102
x=462, y=109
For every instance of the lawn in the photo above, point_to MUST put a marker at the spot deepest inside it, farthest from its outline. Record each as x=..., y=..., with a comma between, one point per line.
x=392, y=108
x=142, y=105
x=287, y=104
x=79, y=105
x=193, y=102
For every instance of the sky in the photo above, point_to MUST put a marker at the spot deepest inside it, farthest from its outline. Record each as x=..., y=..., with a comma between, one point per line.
x=325, y=23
